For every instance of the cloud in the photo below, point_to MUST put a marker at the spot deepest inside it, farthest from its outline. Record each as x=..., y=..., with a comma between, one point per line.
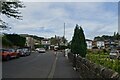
x=70, y=0
x=47, y=18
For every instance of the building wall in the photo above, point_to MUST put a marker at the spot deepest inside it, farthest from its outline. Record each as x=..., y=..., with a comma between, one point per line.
x=89, y=44
x=94, y=43
x=30, y=42
x=45, y=42
x=100, y=44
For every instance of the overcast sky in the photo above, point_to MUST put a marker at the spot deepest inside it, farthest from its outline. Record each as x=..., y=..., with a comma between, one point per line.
x=47, y=19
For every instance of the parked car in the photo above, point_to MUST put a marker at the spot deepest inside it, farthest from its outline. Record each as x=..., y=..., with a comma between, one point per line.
x=24, y=51
x=40, y=50
x=115, y=54
x=8, y=54
x=55, y=49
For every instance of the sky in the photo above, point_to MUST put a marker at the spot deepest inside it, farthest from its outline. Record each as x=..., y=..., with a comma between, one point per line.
x=46, y=19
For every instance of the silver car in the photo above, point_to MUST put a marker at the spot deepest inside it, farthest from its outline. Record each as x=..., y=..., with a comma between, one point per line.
x=40, y=50
x=24, y=51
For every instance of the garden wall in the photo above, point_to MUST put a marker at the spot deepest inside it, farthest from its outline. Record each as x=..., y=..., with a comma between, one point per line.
x=88, y=69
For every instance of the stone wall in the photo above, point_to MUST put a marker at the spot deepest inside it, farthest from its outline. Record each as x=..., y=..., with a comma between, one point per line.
x=88, y=69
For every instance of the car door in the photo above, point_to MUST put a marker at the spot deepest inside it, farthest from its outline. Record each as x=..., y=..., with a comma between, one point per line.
x=12, y=53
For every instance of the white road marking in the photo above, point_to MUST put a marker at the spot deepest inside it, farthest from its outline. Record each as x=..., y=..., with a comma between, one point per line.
x=51, y=74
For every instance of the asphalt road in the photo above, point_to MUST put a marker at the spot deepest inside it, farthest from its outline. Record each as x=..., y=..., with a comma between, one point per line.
x=39, y=65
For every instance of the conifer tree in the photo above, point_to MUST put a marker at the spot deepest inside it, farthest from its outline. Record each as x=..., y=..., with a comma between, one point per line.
x=78, y=45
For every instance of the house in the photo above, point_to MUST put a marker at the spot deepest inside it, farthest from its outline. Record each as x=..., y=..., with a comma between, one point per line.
x=30, y=42
x=89, y=44
x=46, y=43
x=110, y=44
x=94, y=43
x=37, y=42
x=100, y=44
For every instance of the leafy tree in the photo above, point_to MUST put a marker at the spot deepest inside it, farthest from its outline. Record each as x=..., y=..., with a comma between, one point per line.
x=53, y=41
x=10, y=9
x=61, y=47
x=116, y=36
x=57, y=40
x=39, y=46
x=78, y=44
x=114, y=33
x=69, y=44
x=36, y=37
x=16, y=40
x=6, y=42
x=64, y=40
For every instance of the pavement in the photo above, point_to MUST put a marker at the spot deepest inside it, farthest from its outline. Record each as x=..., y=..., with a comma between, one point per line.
x=64, y=68
x=39, y=65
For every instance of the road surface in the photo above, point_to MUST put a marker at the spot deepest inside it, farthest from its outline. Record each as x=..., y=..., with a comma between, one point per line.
x=39, y=65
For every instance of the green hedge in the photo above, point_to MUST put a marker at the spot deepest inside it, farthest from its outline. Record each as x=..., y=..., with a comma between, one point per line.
x=103, y=59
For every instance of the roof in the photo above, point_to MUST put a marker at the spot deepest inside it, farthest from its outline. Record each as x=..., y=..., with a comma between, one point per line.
x=88, y=40
x=45, y=39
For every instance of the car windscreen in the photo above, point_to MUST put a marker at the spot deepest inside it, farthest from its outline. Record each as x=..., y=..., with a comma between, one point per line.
x=3, y=50
x=41, y=48
x=11, y=50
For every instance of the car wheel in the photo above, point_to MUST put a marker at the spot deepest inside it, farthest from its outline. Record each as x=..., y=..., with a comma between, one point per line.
x=25, y=54
x=18, y=55
x=7, y=57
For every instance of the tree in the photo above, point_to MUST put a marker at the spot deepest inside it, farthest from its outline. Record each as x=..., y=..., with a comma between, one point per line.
x=116, y=36
x=14, y=39
x=83, y=45
x=78, y=44
x=53, y=41
x=6, y=42
x=64, y=40
x=10, y=9
x=74, y=43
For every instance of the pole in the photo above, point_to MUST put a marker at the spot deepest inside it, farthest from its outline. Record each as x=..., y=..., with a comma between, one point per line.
x=64, y=31
x=64, y=39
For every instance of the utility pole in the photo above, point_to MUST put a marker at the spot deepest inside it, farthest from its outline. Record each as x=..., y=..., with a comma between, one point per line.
x=64, y=38
x=64, y=34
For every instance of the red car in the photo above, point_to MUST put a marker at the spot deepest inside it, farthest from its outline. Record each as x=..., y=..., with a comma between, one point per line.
x=8, y=54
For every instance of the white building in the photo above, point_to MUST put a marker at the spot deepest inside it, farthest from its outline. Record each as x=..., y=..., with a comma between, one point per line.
x=100, y=44
x=89, y=44
x=45, y=42
x=30, y=42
